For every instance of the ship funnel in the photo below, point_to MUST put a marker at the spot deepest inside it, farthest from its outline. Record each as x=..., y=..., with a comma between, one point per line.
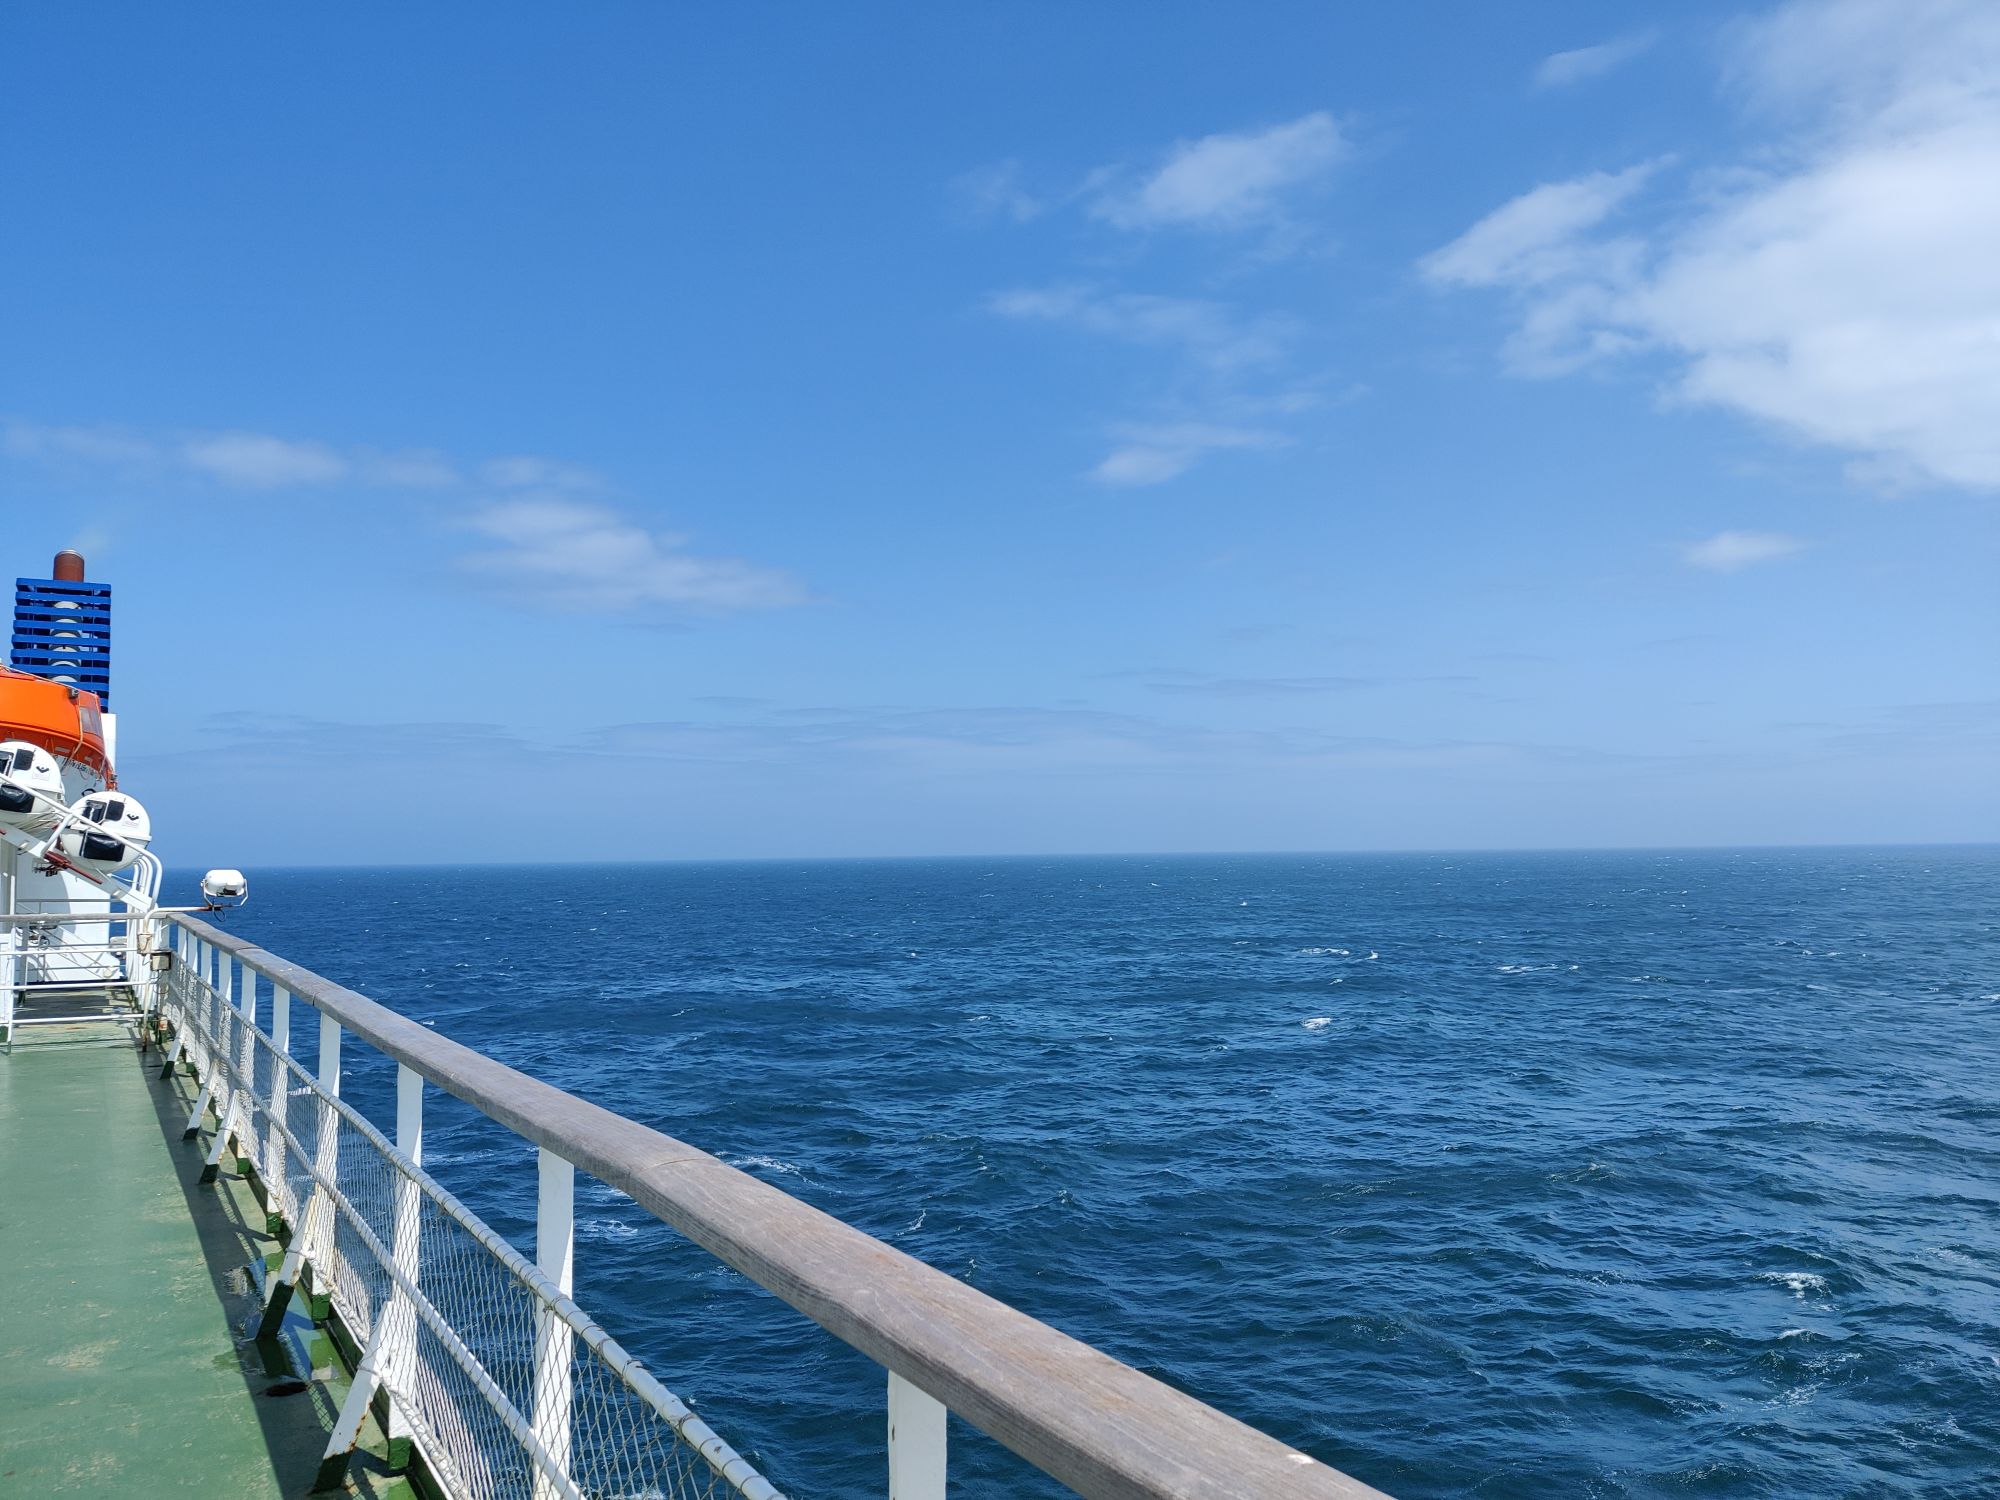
x=62, y=627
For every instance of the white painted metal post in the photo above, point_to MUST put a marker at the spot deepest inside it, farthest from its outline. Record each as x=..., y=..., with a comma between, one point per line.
x=410, y=1112
x=329, y=1055
x=204, y=1055
x=916, y=1442
x=315, y=1222
x=317, y=1236
x=9, y=871
x=235, y=1096
x=139, y=939
x=395, y=1362
x=247, y=1061
x=555, y=1256
x=201, y=1003
x=7, y=949
x=174, y=1007
x=277, y=1184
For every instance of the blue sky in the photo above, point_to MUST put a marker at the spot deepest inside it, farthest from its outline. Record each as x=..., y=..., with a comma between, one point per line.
x=815, y=431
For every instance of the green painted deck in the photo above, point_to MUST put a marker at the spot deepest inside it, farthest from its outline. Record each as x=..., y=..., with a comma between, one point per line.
x=124, y=1291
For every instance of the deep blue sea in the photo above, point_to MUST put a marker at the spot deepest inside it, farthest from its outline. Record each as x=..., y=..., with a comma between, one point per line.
x=1648, y=1174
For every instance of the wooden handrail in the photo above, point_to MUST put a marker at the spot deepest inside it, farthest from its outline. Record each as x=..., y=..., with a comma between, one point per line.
x=1095, y=1424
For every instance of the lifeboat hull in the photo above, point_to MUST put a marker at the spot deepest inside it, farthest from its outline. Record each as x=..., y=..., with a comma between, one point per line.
x=65, y=721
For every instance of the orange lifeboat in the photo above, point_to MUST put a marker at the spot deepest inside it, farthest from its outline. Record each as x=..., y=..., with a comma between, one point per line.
x=65, y=721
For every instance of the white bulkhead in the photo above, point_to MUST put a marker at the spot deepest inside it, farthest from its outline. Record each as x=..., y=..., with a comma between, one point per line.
x=32, y=795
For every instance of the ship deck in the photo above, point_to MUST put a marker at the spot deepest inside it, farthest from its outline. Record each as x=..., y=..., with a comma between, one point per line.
x=126, y=1288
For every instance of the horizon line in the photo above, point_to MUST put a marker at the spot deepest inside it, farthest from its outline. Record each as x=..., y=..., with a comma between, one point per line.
x=1110, y=854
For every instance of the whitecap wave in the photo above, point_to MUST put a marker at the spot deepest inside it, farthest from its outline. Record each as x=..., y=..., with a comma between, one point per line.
x=1317, y=1023
x=1799, y=1283
x=1323, y=953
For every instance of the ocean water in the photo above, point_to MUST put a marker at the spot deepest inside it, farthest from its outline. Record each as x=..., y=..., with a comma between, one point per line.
x=1614, y=1174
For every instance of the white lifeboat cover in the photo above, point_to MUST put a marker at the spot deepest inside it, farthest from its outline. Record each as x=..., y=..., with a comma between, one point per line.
x=31, y=788
x=110, y=830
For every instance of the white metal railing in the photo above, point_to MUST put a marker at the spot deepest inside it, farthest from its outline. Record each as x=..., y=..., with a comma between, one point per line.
x=503, y=1386
x=39, y=953
x=66, y=954
x=508, y=1389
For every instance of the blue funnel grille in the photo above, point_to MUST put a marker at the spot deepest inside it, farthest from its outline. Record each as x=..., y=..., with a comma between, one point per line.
x=63, y=631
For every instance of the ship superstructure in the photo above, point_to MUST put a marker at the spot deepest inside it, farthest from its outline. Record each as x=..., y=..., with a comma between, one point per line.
x=358, y=1328
x=77, y=878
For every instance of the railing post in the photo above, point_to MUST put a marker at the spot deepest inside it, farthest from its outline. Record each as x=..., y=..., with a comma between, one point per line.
x=7, y=971
x=248, y=1062
x=316, y=1221
x=916, y=1442
x=399, y=1324
x=208, y=1043
x=236, y=1098
x=555, y=1256
x=410, y=1112
x=172, y=1011
x=277, y=1188
x=385, y=1362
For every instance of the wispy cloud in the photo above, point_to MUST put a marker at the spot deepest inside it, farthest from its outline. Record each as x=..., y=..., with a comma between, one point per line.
x=1199, y=684
x=1223, y=345
x=1235, y=380
x=998, y=191
x=1732, y=551
x=299, y=736
x=523, y=471
x=1840, y=284
x=111, y=447
x=1212, y=333
x=1027, y=740
x=231, y=457
x=565, y=554
x=1228, y=181
x=895, y=741
x=1153, y=454
x=1537, y=239
x=547, y=536
x=258, y=461
x=1580, y=64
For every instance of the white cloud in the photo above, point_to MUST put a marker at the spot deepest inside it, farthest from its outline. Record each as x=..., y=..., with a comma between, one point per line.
x=1233, y=370
x=1560, y=69
x=109, y=446
x=1212, y=333
x=413, y=469
x=262, y=461
x=1226, y=181
x=1842, y=286
x=526, y=472
x=563, y=554
x=996, y=192
x=1536, y=239
x=1732, y=551
x=257, y=461
x=1154, y=454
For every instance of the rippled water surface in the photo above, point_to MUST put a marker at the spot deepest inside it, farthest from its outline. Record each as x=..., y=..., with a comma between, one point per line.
x=1497, y=1175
